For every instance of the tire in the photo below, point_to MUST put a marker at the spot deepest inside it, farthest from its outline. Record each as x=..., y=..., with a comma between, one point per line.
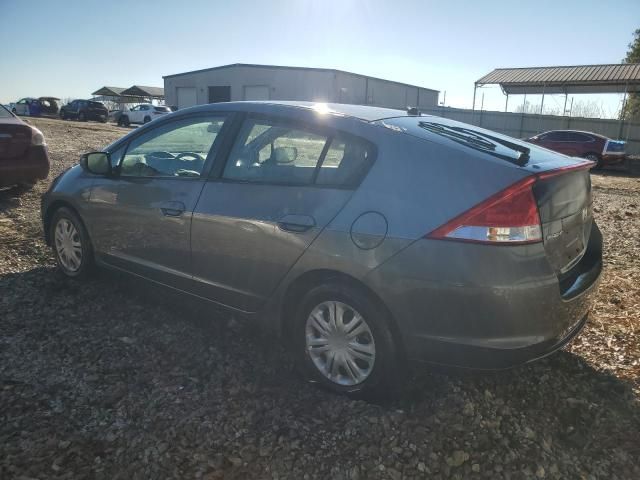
x=82, y=117
x=64, y=239
x=13, y=110
x=594, y=157
x=374, y=368
x=123, y=121
x=147, y=119
x=63, y=115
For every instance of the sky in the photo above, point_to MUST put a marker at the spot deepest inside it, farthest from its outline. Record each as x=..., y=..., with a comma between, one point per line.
x=70, y=48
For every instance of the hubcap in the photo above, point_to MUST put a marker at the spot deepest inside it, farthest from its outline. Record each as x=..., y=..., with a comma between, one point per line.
x=68, y=245
x=340, y=343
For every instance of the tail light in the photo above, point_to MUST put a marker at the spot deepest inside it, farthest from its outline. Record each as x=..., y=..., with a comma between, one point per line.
x=508, y=217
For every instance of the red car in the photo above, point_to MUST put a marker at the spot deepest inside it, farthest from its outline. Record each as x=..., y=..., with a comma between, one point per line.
x=23, y=152
x=602, y=150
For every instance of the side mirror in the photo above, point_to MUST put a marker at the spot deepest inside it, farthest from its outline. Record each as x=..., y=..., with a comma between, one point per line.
x=98, y=163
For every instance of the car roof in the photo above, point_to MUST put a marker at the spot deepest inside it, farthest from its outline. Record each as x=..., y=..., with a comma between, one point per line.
x=361, y=112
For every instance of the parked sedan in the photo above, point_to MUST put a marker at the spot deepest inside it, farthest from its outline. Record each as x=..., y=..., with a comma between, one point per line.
x=142, y=113
x=84, y=110
x=23, y=152
x=365, y=237
x=602, y=150
x=21, y=107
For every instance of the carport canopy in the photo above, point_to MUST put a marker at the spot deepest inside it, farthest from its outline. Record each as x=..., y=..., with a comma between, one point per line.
x=146, y=92
x=612, y=78
x=109, y=91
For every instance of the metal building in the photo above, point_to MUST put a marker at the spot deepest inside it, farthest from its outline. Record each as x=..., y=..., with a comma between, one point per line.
x=241, y=81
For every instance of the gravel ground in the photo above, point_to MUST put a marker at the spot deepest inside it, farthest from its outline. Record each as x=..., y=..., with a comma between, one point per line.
x=114, y=379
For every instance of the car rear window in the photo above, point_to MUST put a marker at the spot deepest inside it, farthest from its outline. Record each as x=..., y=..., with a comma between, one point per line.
x=455, y=133
x=96, y=105
x=162, y=109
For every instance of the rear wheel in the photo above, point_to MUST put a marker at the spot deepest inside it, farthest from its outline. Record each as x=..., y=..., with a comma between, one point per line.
x=147, y=119
x=71, y=244
x=82, y=117
x=343, y=341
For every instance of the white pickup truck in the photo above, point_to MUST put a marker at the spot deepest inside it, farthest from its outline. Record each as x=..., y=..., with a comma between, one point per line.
x=142, y=113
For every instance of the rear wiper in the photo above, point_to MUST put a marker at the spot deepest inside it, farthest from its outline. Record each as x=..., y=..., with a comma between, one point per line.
x=479, y=141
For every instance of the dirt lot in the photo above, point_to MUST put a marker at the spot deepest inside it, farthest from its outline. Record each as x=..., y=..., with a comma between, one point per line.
x=112, y=379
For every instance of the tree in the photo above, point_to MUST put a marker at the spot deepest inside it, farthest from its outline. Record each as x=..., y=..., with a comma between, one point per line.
x=632, y=108
x=528, y=107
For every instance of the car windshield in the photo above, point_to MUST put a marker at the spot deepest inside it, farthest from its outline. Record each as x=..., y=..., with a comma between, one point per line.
x=4, y=113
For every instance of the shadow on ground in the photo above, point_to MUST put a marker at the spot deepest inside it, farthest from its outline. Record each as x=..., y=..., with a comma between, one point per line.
x=111, y=378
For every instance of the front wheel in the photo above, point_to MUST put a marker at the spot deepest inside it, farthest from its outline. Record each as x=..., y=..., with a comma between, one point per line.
x=147, y=119
x=343, y=341
x=71, y=244
x=594, y=157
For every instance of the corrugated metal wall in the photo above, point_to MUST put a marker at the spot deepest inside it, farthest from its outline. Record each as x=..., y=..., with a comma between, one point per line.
x=522, y=126
x=305, y=85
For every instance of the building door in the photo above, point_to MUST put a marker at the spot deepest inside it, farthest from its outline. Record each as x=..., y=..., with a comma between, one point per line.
x=256, y=92
x=187, y=97
x=219, y=94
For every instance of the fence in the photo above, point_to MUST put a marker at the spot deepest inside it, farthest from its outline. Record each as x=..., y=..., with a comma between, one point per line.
x=520, y=125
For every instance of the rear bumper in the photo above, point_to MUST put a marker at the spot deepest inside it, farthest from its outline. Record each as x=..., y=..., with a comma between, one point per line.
x=32, y=166
x=485, y=307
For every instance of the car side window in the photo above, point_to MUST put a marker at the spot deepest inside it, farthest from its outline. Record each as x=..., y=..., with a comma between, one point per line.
x=578, y=137
x=269, y=151
x=176, y=149
x=144, y=107
x=346, y=162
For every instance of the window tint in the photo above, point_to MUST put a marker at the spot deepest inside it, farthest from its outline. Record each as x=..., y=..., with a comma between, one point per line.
x=578, y=137
x=177, y=149
x=346, y=161
x=555, y=137
x=274, y=152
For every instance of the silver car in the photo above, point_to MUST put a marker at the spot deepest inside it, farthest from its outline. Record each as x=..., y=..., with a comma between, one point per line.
x=364, y=237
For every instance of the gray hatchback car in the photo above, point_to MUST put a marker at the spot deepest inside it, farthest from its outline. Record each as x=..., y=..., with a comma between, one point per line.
x=365, y=237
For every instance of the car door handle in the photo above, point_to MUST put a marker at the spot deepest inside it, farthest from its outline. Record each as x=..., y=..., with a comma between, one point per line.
x=172, y=209
x=296, y=223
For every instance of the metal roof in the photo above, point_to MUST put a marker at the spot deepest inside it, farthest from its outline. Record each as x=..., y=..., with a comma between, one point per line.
x=140, y=91
x=109, y=91
x=613, y=78
x=330, y=70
